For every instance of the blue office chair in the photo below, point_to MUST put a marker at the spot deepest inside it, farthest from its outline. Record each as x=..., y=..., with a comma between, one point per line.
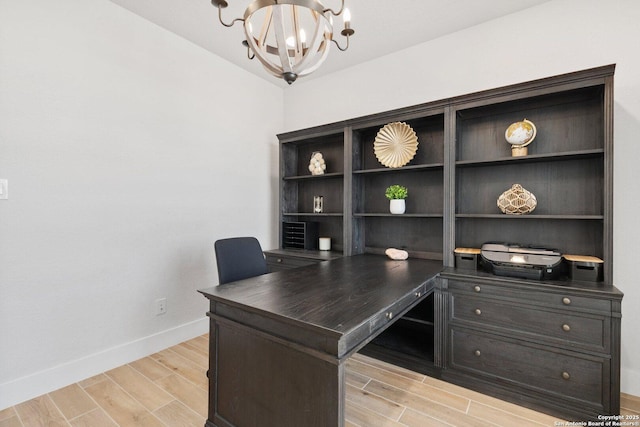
x=239, y=258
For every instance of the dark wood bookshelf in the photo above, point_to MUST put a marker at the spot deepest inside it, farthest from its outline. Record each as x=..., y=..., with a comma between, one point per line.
x=462, y=165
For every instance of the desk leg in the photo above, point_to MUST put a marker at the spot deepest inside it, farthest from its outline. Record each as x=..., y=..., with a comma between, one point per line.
x=259, y=380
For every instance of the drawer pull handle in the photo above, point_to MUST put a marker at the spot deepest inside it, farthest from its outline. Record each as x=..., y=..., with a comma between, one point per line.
x=476, y=288
x=566, y=376
x=279, y=259
x=389, y=315
x=566, y=301
x=478, y=311
x=477, y=353
x=566, y=328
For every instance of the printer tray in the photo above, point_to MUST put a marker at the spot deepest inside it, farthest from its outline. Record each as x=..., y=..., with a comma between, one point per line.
x=520, y=272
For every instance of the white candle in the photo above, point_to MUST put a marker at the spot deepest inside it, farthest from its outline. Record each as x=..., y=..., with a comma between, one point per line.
x=325, y=243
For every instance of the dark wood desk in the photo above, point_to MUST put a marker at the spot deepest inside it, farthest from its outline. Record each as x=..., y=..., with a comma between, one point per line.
x=279, y=341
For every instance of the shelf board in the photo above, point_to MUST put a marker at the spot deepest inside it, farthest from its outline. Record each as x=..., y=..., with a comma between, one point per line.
x=567, y=155
x=405, y=215
x=437, y=256
x=323, y=176
x=505, y=216
x=312, y=214
x=401, y=169
x=418, y=321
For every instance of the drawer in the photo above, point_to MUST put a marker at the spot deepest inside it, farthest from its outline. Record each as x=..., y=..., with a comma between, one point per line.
x=586, y=330
x=396, y=309
x=276, y=263
x=560, y=374
x=543, y=297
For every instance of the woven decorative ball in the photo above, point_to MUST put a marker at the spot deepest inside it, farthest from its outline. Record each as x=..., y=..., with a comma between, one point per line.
x=517, y=201
x=317, y=166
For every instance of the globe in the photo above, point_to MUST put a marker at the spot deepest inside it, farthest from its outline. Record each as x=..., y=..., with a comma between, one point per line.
x=520, y=133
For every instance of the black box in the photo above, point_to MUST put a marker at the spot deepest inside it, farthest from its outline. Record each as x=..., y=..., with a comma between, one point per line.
x=584, y=268
x=467, y=258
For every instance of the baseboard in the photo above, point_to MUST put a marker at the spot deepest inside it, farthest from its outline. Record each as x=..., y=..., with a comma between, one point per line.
x=39, y=383
x=630, y=381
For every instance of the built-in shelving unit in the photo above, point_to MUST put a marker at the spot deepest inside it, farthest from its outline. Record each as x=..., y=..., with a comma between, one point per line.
x=374, y=228
x=462, y=165
x=564, y=169
x=299, y=187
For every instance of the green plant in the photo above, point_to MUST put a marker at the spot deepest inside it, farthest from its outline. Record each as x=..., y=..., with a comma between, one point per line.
x=396, y=192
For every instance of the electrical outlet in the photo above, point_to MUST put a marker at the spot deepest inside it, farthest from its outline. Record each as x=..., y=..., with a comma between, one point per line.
x=4, y=189
x=161, y=306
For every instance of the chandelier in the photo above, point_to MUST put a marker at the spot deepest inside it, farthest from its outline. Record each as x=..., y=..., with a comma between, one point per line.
x=291, y=38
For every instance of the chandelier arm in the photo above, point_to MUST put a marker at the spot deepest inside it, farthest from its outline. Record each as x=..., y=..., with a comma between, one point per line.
x=250, y=53
x=224, y=23
x=333, y=12
x=339, y=47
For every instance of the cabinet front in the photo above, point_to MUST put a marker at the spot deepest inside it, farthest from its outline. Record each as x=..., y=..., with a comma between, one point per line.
x=558, y=299
x=551, y=371
x=562, y=328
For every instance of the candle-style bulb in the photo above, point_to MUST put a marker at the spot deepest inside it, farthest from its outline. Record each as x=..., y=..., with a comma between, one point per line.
x=291, y=42
x=346, y=15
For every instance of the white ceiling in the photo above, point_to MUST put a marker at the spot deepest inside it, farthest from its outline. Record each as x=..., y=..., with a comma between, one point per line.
x=381, y=27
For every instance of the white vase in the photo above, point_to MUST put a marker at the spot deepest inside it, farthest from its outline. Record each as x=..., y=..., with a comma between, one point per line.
x=396, y=206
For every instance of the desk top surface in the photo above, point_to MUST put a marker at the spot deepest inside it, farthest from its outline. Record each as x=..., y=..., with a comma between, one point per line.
x=337, y=297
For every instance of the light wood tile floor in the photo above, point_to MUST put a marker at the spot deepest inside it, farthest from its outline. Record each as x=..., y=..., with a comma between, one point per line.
x=169, y=388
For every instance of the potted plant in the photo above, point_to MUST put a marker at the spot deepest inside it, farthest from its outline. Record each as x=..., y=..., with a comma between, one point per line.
x=396, y=195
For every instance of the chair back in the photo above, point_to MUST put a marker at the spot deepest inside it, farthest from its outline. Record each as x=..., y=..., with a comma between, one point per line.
x=239, y=258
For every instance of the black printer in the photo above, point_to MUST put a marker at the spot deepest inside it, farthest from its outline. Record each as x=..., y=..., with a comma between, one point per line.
x=523, y=261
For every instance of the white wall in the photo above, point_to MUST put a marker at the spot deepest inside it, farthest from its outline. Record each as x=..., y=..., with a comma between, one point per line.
x=128, y=151
x=554, y=38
